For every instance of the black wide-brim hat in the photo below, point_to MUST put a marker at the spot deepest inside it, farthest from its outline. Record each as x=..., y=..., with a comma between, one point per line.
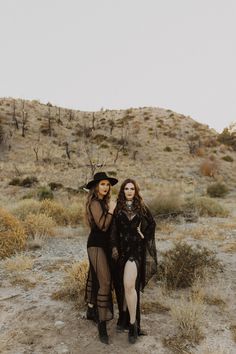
x=99, y=176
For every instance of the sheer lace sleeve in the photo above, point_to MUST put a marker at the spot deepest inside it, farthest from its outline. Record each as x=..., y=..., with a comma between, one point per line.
x=114, y=233
x=101, y=218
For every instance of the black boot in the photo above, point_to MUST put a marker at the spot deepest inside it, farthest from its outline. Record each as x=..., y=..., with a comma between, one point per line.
x=123, y=321
x=102, y=330
x=133, y=332
x=91, y=314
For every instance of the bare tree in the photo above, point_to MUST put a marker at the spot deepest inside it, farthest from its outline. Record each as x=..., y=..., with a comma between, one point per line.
x=49, y=120
x=36, y=150
x=112, y=125
x=118, y=150
x=14, y=118
x=24, y=116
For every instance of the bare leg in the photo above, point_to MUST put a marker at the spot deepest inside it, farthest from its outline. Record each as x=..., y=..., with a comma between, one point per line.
x=130, y=275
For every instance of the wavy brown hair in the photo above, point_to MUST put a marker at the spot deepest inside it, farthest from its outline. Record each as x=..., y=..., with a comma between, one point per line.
x=138, y=200
x=93, y=195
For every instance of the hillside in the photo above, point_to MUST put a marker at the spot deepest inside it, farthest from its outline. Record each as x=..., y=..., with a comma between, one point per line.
x=65, y=146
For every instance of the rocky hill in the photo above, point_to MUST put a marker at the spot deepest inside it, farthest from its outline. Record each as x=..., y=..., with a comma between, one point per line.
x=153, y=145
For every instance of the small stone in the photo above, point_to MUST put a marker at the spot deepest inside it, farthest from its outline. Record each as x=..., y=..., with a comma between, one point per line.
x=59, y=324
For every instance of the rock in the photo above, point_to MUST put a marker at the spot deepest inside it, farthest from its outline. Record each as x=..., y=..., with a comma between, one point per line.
x=59, y=324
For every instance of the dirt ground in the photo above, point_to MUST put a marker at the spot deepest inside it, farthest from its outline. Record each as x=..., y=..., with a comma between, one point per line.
x=32, y=322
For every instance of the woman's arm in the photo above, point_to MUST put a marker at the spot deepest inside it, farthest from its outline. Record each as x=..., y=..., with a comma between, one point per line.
x=114, y=241
x=102, y=219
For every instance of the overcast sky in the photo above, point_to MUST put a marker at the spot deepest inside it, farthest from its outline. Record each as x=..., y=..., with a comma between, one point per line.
x=174, y=54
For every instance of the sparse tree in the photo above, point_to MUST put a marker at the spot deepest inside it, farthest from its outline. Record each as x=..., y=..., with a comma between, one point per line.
x=14, y=118
x=24, y=116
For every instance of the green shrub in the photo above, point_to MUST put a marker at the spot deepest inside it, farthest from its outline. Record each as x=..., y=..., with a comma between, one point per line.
x=182, y=264
x=28, y=181
x=15, y=181
x=45, y=193
x=206, y=206
x=168, y=149
x=227, y=158
x=217, y=190
x=55, y=185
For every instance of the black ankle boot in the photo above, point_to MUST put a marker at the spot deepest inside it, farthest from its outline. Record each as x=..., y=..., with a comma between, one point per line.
x=133, y=332
x=102, y=330
x=91, y=314
x=123, y=321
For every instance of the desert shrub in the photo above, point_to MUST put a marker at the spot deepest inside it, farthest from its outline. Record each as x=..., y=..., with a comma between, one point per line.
x=228, y=137
x=55, y=210
x=168, y=149
x=206, y=206
x=15, y=181
x=112, y=173
x=208, y=167
x=76, y=213
x=18, y=262
x=227, y=158
x=12, y=234
x=217, y=190
x=40, y=225
x=2, y=134
x=45, y=192
x=182, y=264
x=55, y=185
x=104, y=146
x=25, y=207
x=166, y=203
x=26, y=182
x=74, y=283
x=200, y=152
x=188, y=315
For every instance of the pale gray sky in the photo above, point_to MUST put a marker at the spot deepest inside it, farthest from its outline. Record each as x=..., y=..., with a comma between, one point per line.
x=174, y=54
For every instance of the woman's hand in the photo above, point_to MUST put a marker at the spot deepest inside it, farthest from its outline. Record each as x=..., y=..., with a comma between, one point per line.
x=115, y=254
x=139, y=230
x=112, y=206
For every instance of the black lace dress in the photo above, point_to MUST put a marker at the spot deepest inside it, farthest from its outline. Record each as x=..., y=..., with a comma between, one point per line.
x=98, y=287
x=131, y=246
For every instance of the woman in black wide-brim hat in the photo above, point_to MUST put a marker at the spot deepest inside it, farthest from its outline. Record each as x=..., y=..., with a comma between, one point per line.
x=99, y=212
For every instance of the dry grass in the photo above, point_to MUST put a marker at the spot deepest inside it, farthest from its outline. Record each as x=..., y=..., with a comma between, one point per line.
x=18, y=263
x=153, y=306
x=12, y=234
x=214, y=292
x=200, y=232
x=209, y=168
x=167, y=203
x=233, y=331
x=40, y=225
x=24, y=208
x=229, y=247
x=208, y=207
x=76, y=213
x=215, y=350
x=27, y=284
x=74, y=283
x=36, y=242
x=54, y=210
x=188, y=315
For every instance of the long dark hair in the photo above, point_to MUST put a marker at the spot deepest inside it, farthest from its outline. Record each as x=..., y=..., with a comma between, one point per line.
x=93, y=195
x=138, y=200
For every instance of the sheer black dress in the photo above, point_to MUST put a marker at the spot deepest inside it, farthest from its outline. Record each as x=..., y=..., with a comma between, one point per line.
x=131, y=246
x=98, y=287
